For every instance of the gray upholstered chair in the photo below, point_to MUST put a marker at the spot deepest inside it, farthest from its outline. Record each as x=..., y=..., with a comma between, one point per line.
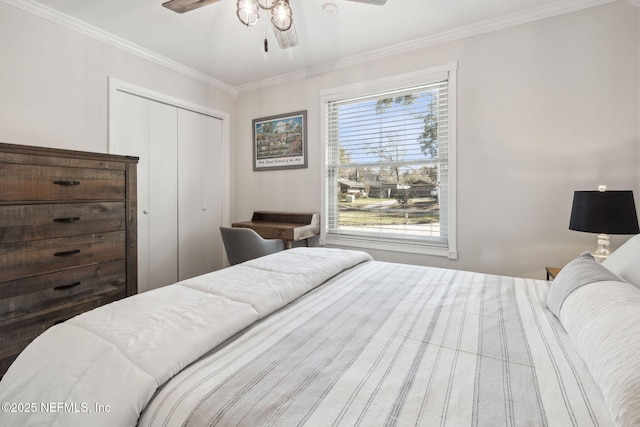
x=243, y=244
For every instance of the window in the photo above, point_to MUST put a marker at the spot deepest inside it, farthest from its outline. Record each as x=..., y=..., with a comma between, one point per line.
x=390, y=164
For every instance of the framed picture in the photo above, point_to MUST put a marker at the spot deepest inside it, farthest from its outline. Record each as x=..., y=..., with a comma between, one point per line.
x=280, y=142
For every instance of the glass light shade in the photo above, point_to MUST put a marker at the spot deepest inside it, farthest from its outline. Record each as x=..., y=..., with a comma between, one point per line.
x=281, y=15
x=248, y=12
x=266, y=4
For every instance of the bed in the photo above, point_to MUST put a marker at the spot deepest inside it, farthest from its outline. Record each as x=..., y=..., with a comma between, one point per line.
x=329, y=337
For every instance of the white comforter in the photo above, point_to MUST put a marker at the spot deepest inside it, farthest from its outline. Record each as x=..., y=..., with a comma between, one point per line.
x=102, y=367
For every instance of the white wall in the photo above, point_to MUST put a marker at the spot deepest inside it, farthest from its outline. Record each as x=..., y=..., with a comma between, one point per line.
x=544, y=109
x=54, y=83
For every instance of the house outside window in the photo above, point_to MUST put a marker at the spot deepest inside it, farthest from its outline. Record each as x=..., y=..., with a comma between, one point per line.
x=389, y=164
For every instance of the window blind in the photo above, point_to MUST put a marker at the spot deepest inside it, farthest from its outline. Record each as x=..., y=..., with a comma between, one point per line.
x=387, y=164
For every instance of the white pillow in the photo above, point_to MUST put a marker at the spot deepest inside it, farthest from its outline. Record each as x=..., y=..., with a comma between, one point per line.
x=603, y=321
x=579, y=272
x=625, y=261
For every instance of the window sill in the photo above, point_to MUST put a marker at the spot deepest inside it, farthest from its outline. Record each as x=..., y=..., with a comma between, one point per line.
x=393, y=246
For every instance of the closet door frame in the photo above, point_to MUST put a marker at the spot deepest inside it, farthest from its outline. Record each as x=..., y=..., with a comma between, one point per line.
x=116, y=85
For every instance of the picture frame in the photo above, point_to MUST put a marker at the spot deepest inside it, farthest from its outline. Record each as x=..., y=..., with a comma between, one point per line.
x=280, y=142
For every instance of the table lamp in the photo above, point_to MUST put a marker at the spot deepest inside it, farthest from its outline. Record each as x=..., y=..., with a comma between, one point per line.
x=604, y=212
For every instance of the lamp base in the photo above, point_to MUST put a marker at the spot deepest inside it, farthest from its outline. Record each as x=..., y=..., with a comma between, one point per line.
x=602, y=251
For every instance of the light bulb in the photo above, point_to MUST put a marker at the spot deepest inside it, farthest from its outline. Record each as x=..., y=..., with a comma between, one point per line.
x=248, y=12
x=266, y=4
x=282, y=15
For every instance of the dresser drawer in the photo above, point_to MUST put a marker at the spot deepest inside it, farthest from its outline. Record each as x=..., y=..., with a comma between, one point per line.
x=46, y=221
x=33, y=294
x=26, y=259
x=23, y=182
x=16, y=335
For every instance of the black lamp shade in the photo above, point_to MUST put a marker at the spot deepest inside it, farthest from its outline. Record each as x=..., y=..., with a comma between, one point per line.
x=606, y=212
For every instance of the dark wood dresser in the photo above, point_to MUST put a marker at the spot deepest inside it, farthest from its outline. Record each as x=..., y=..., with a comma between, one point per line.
x=67, y=238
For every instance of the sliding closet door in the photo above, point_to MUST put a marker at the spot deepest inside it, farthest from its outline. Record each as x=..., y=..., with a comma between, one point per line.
x=129, y=135
x=199, y=194
x=212, y=177
x=163, y=195
x=147, y=129
x=181, y=181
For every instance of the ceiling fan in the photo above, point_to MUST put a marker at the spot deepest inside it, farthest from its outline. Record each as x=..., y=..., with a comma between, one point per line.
x=248, y=13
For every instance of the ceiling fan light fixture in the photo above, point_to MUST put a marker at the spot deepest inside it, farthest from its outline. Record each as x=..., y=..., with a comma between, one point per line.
x=248, y=12
x=282, y=15
x=267, y=4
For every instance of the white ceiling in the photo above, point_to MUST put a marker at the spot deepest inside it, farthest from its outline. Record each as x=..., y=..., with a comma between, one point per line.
x=213, y=43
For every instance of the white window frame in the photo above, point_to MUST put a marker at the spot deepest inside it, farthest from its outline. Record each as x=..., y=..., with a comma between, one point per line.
x=448, y=72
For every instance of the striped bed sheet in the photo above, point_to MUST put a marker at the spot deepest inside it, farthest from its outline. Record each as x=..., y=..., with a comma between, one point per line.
x=386, y=344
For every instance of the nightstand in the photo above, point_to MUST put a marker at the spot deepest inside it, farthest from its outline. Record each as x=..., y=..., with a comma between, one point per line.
x=552, y=272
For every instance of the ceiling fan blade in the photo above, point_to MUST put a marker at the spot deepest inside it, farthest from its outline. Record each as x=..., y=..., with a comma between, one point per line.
x=374, y=2
x=286, y=39
x=182, y=6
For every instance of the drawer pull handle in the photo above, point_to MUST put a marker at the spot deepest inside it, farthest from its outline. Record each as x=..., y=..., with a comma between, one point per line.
x=66, y=220
x=64, y=287
x=67, y=183
x=67, y=253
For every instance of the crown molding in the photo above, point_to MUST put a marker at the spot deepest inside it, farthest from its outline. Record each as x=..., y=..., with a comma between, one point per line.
x=480, y=28
x=81, y=27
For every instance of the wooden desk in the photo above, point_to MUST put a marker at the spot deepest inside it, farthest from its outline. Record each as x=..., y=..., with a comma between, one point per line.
x=288, y=226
